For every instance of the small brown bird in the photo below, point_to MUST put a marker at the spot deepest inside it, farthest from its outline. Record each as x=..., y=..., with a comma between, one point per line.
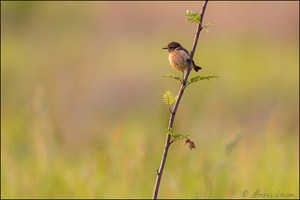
x=179, y=57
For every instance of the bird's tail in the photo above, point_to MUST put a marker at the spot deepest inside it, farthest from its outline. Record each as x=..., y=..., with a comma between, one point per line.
x=196, y=68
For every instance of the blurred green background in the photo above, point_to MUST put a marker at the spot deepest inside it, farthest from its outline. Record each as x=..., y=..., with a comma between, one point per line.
x=81, y=108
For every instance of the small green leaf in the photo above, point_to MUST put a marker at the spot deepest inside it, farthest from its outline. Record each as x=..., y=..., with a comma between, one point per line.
x=188, y=13
x=168, y=98
x=170, y=75
x=180, y=136
x=192, y=17
x=200, y=78
x=169, y=131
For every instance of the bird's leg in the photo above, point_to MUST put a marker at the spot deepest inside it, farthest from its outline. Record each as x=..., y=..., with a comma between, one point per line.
x=183, y=81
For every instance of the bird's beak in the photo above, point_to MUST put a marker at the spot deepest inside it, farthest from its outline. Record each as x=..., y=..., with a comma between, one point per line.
x=165, y=48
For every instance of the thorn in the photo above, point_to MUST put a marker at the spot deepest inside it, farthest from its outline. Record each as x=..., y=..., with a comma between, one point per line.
x=157, y=172
x=171, y=111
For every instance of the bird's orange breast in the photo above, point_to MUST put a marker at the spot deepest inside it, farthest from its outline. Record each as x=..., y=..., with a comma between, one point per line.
x=178, y=60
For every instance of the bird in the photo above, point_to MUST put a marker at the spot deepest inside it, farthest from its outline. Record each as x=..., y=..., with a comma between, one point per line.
x=180, y=58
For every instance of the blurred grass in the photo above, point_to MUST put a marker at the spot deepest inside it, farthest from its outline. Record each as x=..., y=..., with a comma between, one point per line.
x=82, y=115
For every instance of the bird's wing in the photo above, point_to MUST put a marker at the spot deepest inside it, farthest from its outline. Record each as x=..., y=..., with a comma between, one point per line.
x=185, y=55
